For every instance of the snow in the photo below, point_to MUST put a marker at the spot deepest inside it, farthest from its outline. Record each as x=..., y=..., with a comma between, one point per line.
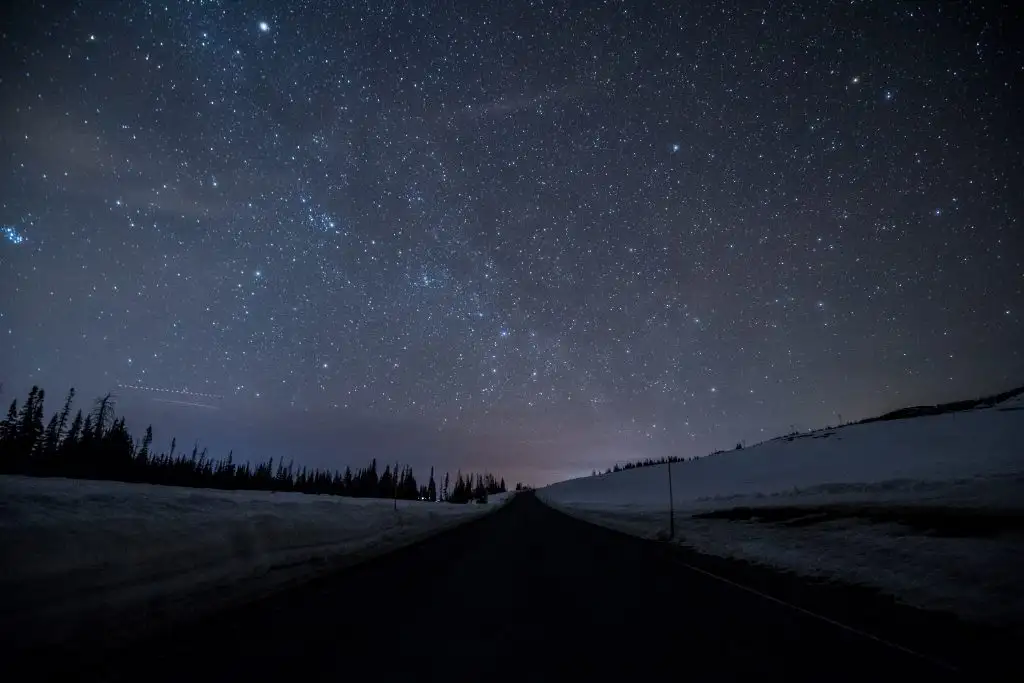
x=971, y=461
x=81, y=553
x=879, y=455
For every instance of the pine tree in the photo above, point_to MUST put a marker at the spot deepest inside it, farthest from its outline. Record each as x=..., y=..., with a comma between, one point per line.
x=65, y=411
x=30, y=426
x=462, y=489
x=74, y=433
x=147, y=441
x=9, y=427
x=368, y=481
x=408, y=489
x=27, y=412
x=88, y=435
x=51, y=438
x=9, y=439
x=102, y=414
x=118, y=450
x=431, y=488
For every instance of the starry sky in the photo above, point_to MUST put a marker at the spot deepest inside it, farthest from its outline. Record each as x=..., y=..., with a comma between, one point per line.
x=537, y=237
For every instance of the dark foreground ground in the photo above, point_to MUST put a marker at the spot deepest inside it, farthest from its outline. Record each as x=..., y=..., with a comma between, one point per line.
x=528, y=593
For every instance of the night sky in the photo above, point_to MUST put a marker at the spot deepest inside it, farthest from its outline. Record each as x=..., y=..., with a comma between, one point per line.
x=534, y=237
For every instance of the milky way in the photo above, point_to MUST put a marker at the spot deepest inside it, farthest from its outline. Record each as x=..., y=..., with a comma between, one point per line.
x=557, y=235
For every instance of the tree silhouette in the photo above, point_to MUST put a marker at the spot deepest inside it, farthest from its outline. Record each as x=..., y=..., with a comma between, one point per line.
x=98, y=445
x=9, y=427
x=384, y=485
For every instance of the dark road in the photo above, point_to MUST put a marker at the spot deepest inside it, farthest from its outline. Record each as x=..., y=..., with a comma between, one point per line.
x=526, y=593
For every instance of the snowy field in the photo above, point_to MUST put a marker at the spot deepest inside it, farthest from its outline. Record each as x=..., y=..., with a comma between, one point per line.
x=106, y=554
x=929, y=509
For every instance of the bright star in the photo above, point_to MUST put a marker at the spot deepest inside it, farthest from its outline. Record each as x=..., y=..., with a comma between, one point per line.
x=264, y=27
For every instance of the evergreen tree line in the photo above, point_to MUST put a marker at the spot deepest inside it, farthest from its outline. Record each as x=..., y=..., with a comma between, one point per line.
x=650, y=462
x=645, y=462
x=471, y=487
x=98, y=445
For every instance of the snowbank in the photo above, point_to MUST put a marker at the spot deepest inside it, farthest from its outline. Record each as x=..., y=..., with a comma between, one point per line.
x=875, y=460
x=971, y=462
x=85, y=553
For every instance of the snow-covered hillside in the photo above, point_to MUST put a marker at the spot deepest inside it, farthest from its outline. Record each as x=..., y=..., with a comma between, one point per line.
x=103, y=553
x=852, y=503
x=880, y=458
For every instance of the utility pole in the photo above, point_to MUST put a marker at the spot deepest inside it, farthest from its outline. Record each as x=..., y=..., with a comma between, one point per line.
x=671, y=504
x=394, y=486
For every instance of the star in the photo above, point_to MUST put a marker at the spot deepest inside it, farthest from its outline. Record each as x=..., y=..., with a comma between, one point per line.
x=489, y=223
x=12, y=235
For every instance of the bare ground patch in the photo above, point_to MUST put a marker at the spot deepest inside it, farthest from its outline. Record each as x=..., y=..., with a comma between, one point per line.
x=955, y=522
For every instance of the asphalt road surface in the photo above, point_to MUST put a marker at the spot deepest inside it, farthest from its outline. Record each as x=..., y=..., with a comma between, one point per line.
x=526, y=593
